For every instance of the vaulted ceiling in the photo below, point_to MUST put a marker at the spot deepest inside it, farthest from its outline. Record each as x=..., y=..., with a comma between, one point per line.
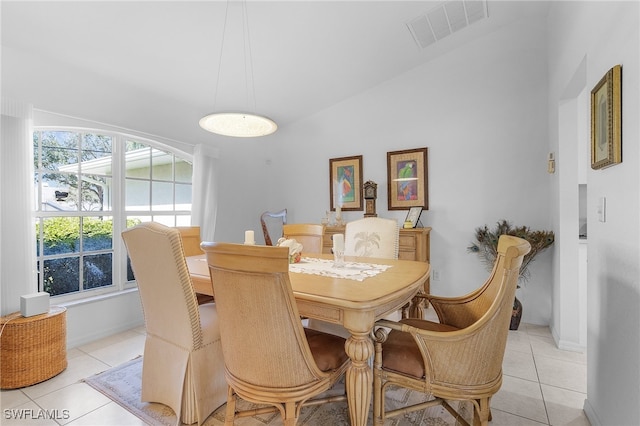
x=154, y=66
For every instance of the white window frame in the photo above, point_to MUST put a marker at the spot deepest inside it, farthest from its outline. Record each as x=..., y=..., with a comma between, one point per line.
x=118, y=212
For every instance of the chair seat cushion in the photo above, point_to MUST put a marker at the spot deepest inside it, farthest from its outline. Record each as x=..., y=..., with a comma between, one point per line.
x=400, y=352
x=327, y=349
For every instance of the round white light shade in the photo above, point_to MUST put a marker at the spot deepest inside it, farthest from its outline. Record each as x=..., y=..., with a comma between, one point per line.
x=238, y=124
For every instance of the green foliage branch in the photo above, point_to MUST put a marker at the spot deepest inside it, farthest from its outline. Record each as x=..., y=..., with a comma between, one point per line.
x=66, y=230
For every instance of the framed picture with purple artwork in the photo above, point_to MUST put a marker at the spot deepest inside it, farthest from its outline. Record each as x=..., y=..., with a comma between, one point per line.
x=407, y=180
x=345, y=183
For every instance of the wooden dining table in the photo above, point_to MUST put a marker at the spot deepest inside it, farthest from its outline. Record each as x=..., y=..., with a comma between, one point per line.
x=355, y=305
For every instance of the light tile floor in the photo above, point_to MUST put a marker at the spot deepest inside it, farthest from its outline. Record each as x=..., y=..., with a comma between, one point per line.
x=542, y=385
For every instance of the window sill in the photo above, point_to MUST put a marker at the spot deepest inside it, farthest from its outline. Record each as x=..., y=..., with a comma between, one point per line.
x=96, y=298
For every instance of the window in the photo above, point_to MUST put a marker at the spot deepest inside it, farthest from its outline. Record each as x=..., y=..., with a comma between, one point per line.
x=89, y=187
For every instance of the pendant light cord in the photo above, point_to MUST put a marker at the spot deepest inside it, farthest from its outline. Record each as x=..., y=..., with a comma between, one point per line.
x=224, y=32
x=250, y=89
x=247, y=47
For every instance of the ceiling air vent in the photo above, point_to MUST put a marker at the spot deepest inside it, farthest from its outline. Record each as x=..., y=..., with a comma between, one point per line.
x=446, y=19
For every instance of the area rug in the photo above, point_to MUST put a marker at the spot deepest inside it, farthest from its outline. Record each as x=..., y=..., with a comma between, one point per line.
x=122, y=384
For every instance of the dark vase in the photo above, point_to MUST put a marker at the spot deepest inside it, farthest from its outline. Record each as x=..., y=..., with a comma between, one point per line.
x=516, y=316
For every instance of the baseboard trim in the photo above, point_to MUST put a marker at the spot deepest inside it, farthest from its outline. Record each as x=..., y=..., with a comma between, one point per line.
x=590, y=413
x=566, y=345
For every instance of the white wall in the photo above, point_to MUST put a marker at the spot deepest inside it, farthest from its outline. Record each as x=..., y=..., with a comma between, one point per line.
x=17, y=264
x=246, y=187
x=481, y=111
x=103, y=316
x=606, y=34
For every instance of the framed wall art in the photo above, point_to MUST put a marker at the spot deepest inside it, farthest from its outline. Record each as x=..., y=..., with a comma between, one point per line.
x=606, y=115
x=407, y=180
x=345, y=183
x=413, y=217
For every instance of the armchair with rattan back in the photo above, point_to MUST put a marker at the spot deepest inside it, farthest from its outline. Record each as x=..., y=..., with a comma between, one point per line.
x=270, y=358
x=459, y=358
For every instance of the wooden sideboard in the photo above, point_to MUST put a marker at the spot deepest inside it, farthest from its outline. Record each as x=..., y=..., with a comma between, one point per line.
x=414, y=245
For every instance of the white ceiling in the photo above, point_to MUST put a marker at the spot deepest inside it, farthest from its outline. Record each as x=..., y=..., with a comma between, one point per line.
x=152, y=65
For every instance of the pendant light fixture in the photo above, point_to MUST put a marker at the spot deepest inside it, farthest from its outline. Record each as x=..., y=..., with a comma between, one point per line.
x=237, y=123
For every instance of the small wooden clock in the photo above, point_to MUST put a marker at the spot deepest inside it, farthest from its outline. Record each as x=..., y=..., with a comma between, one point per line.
x=370, y=194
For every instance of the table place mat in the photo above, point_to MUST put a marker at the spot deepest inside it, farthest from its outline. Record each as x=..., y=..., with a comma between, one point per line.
x=351, y=270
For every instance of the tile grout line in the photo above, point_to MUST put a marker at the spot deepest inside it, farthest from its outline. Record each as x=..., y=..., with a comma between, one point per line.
x=535, y=365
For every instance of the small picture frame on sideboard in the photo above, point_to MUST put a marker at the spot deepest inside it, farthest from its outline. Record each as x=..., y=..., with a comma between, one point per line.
x=413, y=217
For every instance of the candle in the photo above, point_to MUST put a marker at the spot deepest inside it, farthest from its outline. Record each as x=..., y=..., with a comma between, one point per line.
x=338, y=213
x=249, y=238
x=338, y=242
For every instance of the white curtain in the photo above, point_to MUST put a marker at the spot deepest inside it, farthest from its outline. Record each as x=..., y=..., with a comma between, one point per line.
x=204, y=199
x=17, y=231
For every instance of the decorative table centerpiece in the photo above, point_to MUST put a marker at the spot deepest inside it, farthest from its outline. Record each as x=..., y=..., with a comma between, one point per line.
x=295, y=249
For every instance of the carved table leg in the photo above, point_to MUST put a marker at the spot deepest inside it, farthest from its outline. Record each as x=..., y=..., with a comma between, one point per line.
x=416, y=308
x=359, y=378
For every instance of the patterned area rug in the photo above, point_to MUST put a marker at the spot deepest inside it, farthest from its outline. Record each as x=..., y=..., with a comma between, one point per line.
x=122, y=384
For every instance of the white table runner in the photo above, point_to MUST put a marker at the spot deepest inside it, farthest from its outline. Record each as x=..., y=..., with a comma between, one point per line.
x=352, y=270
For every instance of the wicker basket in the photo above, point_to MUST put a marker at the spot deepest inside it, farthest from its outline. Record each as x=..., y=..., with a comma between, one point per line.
x=32, y=349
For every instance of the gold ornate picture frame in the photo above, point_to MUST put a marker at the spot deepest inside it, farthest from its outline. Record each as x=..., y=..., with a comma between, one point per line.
x=345, y=183
x=407, y=181
x=606, y=120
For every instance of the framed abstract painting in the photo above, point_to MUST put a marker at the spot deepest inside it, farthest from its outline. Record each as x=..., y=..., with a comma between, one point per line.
x=345, y=183
x=407, y=181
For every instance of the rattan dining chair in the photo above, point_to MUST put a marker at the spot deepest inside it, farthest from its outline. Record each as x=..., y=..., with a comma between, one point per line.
x=310, y=235
x=190, y=236
x=459, y=358
x=182, y=365
x=272, y=223
x=269, y=357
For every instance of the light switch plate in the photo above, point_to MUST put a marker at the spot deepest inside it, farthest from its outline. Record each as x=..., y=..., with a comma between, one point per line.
x=602, y=209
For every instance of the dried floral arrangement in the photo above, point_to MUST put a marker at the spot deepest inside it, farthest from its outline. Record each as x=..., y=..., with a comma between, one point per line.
x=486, y=244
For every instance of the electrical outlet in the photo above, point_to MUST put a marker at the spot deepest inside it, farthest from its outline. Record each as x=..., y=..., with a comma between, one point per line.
x=435, y=274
